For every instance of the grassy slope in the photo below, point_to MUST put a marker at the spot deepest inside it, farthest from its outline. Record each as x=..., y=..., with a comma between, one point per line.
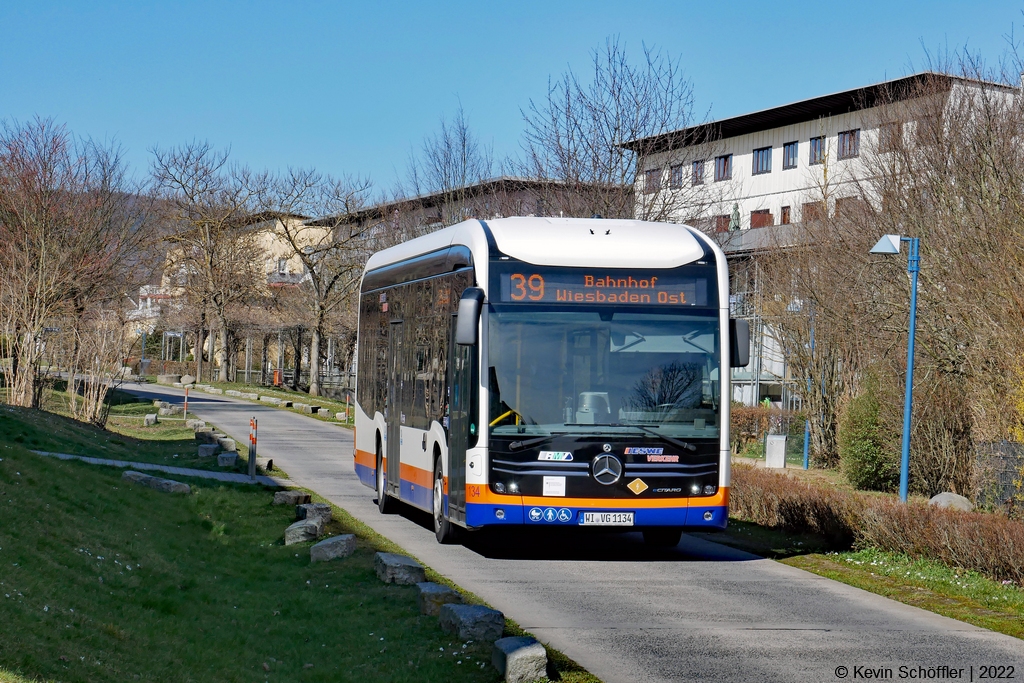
x=109, y=581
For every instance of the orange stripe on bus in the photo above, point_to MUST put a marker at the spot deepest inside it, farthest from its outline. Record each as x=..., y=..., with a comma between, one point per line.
x=366, y=458
x=417, y=476
x=476, y=493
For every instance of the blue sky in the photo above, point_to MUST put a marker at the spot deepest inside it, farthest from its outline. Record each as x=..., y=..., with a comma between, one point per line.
x=350, y=88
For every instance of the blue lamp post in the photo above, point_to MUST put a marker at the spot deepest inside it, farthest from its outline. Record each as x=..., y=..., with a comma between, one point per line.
x=890, y=244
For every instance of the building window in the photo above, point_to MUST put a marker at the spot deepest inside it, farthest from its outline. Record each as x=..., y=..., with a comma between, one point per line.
x=817, y=155
x=698, y=173
x=786, y=215
x=890, y=135
x=723, y=167
x=652, y=180
x=849, y=144
x=282, y=265
x=676, y=176
x=789, y=151
x=762, y=161
x=813, y=212
x=722, y=223
x=762, y=218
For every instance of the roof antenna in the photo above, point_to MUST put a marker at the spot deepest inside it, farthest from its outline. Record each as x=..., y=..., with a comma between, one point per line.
x=591, y=231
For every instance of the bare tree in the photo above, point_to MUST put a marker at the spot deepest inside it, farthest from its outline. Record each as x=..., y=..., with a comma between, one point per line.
x=332, y=248
x=71, y=228
x=212, y=214
x=593, y=136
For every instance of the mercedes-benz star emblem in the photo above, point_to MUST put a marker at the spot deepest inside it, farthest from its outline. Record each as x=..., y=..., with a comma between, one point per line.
x=607, y=469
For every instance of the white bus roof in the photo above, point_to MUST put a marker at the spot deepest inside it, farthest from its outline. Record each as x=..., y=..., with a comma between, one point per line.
x=579, y=242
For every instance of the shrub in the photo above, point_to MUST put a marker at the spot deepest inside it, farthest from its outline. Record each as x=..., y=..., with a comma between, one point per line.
x=990, y=544
x=864, y=456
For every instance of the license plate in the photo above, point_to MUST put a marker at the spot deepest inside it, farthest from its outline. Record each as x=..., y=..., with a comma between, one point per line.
x=606, y=519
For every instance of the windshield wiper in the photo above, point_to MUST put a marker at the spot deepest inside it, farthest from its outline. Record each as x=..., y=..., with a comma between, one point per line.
x=517, y=445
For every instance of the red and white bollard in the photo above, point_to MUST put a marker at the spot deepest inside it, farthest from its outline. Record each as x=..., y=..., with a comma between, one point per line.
x=253, y=428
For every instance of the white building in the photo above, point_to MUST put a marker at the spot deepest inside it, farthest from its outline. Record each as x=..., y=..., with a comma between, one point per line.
x=751, y=176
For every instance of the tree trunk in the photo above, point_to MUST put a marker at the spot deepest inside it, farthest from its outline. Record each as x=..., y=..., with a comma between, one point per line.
x=298, y=358
x=222, y=352
x=314, y=363
x=263, y=360
x=199, y=354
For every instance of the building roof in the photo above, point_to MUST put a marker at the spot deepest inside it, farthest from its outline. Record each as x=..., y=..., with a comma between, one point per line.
x=804, y=110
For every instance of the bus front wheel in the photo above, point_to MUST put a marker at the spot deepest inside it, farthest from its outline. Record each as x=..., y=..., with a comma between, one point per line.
x=444, y=530
x=385, y=503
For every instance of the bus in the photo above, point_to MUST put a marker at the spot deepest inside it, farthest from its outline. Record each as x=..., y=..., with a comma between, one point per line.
x=549, y=372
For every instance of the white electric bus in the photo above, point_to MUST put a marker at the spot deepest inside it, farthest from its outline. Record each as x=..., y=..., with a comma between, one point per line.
x=549, y=371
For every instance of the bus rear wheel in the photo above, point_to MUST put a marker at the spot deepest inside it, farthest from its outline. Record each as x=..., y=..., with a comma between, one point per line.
x=444, y=530
x=663, y=537
x=385, y=503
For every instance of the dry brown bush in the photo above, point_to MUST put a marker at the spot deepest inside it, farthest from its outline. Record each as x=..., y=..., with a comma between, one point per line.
x=987, y=543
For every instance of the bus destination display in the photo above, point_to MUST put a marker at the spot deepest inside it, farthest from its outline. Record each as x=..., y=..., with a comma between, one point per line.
x=586, y=286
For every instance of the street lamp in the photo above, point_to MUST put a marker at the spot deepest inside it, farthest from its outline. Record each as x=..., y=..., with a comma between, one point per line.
x=890, y=244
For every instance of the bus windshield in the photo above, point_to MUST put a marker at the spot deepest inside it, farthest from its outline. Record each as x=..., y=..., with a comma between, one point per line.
x=596, y=370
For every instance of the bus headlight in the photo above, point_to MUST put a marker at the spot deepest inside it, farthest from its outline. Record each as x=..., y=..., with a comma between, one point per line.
x=499, y=487
x=709, y=489
x=695, y=489
x=513, y=487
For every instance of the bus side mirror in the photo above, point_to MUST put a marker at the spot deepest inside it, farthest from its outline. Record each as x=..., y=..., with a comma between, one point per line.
x=739, y=342
x=469, y=316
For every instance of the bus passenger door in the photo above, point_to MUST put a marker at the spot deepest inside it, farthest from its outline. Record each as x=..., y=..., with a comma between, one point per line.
x=395, y=408
x=459, y=396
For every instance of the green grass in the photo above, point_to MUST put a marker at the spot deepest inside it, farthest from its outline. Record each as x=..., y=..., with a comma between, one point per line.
x=956, y=593
x=169, y=442
x=102, y=580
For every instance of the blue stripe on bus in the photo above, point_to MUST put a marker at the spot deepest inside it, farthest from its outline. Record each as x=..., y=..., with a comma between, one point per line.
x=367, y=475
x=485, y=514
x=414, y=494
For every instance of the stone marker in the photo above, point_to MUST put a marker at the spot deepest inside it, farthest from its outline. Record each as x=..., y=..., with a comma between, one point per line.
x=271, y=399
x=149, y=420
x=205, y=436
x=304, y=510
x=188, y=379
x=226, y=459
x=164, y=485
x=232, y=392
x=395, y=568
x=333, y=548
x=310, y=410
x=195, y=424
x=157, y=403
x=341, y=416
x=228, y=444
x=326, y=412
x=308, y=529
x=520, y=659
x=300, y=406
x=951, y=500
x=168, y=379
x=208, y=450
x=472, y=622
x=250, y=397
x=290, y=497
x=171, y=410
x=432, y=595
x=178, y=385
x=211, y=390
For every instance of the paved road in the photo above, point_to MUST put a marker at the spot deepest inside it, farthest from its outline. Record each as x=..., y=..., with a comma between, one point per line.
x=699, y=612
